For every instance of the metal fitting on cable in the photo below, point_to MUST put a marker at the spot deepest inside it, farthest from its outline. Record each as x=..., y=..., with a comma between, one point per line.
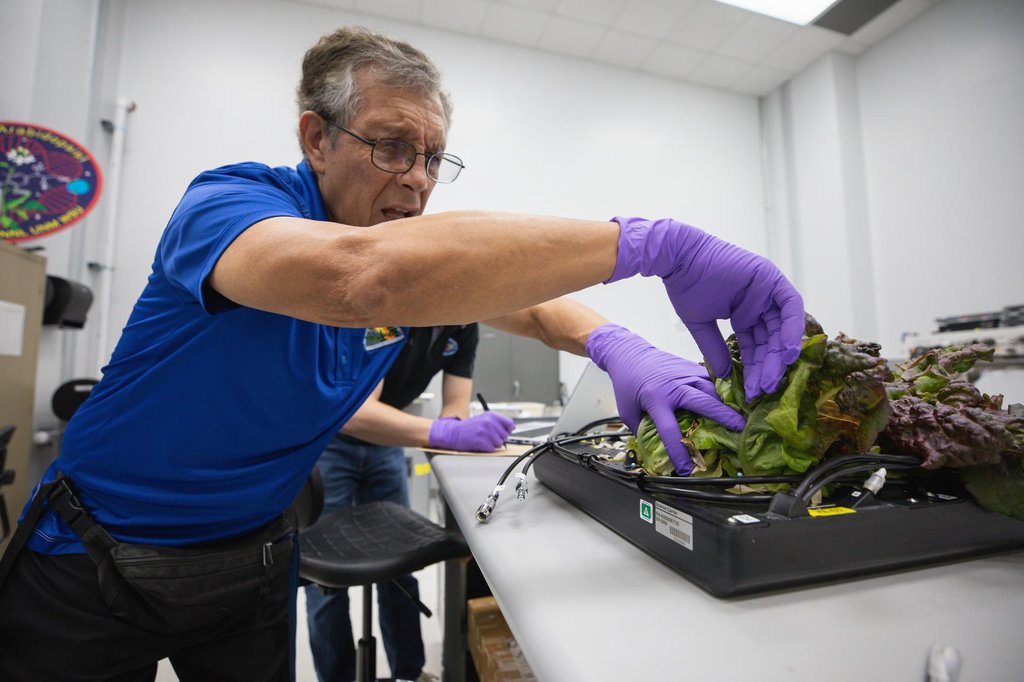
x=522, y=489
x=484, y=511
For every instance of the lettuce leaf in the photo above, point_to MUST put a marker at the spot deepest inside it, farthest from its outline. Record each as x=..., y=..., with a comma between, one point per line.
x=840, y=397
x=832, y=399
x=946, y=420
x=998, y=487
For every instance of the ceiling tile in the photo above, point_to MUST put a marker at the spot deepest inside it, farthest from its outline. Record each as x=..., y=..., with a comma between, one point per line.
x=570, y=36
x=597, y=11
x=540, y=5
x=674, y=61
x=719, y=71
x=652, y=18
x=405, y=10
x=462, y=16
x=623, y=49
x=890, y=21
x=760, y=81
x=344, y=4
x=756, y=37
x=804, y=48
x=707, y=24
x=519, y=25
x=702, y=41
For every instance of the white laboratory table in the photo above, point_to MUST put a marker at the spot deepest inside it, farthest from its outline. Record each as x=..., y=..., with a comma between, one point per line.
x=584, y=604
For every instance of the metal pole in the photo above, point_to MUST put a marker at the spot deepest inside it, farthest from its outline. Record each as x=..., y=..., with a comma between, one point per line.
x=109, y=242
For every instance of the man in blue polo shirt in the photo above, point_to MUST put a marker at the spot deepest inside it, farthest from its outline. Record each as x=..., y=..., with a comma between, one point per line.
x=278, y=299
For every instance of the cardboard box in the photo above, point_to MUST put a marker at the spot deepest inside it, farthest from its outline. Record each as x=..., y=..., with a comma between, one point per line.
x=495, y=652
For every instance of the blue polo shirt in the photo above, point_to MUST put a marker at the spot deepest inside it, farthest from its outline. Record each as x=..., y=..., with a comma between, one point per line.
x=210, y=415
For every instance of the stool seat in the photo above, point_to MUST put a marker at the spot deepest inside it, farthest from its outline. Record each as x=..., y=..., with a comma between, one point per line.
x=371, y=543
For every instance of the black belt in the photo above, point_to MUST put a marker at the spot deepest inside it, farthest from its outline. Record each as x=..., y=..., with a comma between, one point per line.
x=58, y=490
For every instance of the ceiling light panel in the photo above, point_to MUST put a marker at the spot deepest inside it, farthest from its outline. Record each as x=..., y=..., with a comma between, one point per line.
x=794, y=11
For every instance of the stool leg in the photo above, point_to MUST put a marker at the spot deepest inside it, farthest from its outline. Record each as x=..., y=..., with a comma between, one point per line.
x=366, y=658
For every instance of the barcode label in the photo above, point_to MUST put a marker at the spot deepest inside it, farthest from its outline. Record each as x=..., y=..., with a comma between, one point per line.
x=679, y=535
x=674, y=524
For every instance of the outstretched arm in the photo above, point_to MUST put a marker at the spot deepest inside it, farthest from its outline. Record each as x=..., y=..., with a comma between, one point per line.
x=454, y=268
x=447, y=268
x=562, y=324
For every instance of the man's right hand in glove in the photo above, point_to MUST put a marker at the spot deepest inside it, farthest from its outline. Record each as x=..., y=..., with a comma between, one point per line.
x=708, y=279
x=485, y=432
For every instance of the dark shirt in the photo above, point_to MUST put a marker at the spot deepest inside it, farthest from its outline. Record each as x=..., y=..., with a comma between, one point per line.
x=427, y=351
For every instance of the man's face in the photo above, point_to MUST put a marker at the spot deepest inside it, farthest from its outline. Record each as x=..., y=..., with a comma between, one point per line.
x=358, y=193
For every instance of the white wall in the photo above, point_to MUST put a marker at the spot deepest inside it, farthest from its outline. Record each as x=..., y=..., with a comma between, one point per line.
x=214, y=83
x=49, y=81
x=900, y=175
x=943, y=120
x=895, y=177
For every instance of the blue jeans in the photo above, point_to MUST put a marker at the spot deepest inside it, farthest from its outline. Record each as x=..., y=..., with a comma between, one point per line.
x=356, y=474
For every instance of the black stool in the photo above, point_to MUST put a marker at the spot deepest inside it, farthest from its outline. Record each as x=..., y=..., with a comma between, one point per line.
x=368, y=544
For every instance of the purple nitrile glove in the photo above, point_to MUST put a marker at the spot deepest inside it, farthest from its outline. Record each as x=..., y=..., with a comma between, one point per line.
x=486, y=432
x=650, y=380
x=708, y=279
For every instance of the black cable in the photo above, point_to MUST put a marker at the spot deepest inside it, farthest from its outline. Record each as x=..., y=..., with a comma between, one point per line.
x=844, y=461
x=559, y=444
x=726, y=481
x=846, y=471
x=670, y=485
x=824, y=473
x=484, y=511
x=511, y=467
x=705, y=495
x=597, y=422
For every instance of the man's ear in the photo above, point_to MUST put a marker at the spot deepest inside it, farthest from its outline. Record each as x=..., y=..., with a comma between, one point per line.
x=313, y=134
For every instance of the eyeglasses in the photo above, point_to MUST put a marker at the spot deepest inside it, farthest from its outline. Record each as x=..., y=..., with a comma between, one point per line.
x=398, y=156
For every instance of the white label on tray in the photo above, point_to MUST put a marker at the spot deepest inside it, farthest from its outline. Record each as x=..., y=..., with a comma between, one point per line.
x=674, y=524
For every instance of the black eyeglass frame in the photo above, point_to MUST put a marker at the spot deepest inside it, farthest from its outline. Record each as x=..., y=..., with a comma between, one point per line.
x=443, y=156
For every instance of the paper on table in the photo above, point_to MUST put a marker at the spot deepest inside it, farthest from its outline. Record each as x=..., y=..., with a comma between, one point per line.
x=510, y=450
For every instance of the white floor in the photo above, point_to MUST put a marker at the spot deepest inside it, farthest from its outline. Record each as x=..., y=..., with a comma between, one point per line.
x=429, y=579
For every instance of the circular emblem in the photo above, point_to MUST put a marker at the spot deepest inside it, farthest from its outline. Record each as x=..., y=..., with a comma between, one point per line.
x=451, y=347
x=48, y=181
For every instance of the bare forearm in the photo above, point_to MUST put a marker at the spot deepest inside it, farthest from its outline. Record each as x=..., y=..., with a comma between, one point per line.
x=450, y=268
x=562, y=324
x=376, y=422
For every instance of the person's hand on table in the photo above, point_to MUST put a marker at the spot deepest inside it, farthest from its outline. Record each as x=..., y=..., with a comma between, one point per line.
x=649, y=380
x=486, y=432
x=708, y=279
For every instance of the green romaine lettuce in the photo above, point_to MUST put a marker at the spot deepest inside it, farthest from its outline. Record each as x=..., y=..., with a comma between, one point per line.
x=831, y=399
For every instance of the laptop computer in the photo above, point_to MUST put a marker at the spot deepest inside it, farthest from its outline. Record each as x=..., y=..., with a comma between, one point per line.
x=593, y=398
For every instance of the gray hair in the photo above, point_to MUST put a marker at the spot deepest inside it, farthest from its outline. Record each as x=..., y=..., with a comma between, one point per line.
x=328, y=85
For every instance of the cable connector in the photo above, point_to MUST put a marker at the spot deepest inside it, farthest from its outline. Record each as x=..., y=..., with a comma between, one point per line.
x=866, y=496
x=483, y=512
x=875, y=481
x=522, y=488
x=788, y=505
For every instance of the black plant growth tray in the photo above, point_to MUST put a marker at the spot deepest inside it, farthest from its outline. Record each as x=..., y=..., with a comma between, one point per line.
x=738, y=548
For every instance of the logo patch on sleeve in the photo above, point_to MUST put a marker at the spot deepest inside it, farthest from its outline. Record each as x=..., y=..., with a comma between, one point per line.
x=378, y=337
x=451, y=347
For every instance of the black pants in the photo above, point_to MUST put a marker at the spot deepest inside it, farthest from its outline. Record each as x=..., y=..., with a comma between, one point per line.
x=54, y=626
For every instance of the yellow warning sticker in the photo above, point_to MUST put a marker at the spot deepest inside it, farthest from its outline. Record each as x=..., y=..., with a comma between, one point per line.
x=830, y=511
x=423, y=469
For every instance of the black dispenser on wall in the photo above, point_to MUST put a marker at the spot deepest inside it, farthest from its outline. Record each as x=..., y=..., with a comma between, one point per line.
x=67, y=303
